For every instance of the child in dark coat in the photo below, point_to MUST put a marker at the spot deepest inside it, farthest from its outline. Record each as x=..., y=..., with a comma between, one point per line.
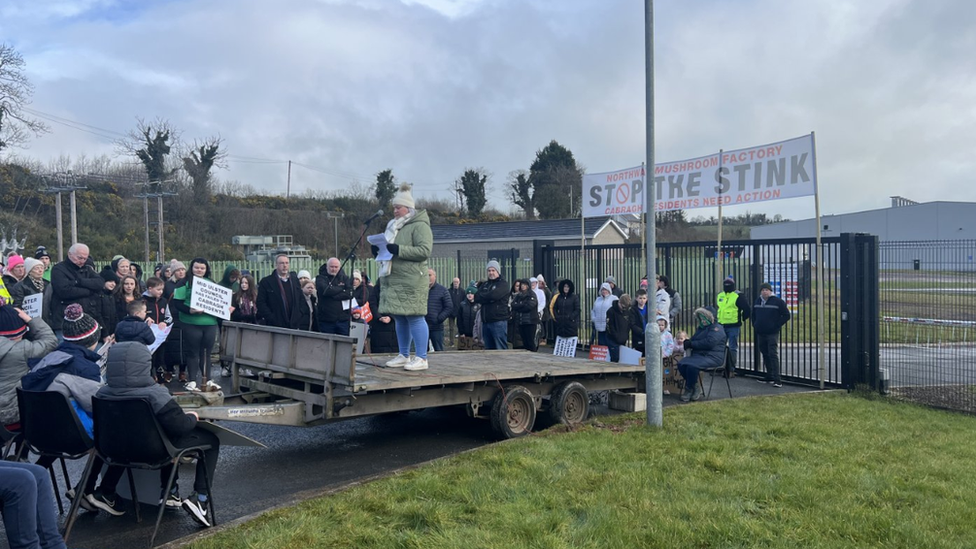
x=134, y=326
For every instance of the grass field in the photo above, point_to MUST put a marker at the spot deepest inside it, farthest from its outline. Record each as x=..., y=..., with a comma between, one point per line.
x=809, y=470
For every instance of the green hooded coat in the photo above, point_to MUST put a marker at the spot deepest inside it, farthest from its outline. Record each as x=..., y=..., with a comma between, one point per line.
x=225, y=281
x=405, y=288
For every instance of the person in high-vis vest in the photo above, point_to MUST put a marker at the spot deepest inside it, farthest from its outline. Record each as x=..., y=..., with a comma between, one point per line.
x=733, y=308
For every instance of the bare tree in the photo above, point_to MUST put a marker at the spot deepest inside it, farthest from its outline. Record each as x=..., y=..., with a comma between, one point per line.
x=198, y=163
x=151, y=142
x=16, y=126
x=520, y=192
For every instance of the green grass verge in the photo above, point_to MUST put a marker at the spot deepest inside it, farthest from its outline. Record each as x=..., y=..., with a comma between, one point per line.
x=812, y=470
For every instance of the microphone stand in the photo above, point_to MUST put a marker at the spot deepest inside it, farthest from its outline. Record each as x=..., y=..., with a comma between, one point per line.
x=352, y=251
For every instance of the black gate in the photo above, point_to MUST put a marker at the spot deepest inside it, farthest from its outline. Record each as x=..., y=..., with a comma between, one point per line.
x=786, y=264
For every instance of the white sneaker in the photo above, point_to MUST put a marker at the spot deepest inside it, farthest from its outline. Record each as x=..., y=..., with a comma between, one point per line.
x=397, y=362
x=191, y=386
x=416, y=363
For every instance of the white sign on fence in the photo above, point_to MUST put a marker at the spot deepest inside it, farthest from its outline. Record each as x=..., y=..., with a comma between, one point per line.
x=33, y=305
x=211, y=298
x=743, y=176
x=565, y=346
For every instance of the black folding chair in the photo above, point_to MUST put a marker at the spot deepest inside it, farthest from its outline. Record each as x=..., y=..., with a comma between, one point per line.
x=9, y=439
x=716, y=371
x=51, y=429
x=127, y=434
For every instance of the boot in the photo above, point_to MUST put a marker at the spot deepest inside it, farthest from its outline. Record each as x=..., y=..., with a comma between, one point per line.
x=696, y=392
x=730, y=365
x=689, y=390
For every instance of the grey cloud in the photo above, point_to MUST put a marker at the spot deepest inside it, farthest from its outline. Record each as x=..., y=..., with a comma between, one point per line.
x=429, y=88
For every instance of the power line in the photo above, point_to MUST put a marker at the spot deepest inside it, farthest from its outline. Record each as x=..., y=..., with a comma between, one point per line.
x=115, y=136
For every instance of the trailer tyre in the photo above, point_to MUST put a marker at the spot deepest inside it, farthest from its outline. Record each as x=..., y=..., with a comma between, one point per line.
x=569, y=404
x=513, y=412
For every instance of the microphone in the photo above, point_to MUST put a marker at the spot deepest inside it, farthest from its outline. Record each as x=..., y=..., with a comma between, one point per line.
x=372, y=217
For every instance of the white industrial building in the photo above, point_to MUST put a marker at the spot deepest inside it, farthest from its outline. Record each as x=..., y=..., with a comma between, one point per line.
x=903, y=221
x=929, y=236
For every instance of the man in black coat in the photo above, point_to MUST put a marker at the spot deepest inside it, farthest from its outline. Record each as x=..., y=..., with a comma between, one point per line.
x=440, y=307
x=334, y=289
x=769, y=314
x=73, y=281
x=493, y=296
x=280, y=296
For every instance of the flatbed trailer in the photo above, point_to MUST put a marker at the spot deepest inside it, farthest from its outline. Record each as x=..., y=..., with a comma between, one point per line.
x=307, y=378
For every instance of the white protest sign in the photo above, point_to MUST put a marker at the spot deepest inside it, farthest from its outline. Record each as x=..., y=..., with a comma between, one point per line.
x=756, y=174
x=33, y=305
x=565, y=346
x=629, y=355
x=211, y=298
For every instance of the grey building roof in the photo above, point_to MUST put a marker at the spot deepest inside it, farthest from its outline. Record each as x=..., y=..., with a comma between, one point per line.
x=939, y=220
x=555, y=229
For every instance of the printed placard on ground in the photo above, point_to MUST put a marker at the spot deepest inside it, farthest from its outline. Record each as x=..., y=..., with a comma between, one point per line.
x=756, y=174
x=211, y=298
x=600, y=352
x=565, y=346
x=33, y=305
x=629, y=355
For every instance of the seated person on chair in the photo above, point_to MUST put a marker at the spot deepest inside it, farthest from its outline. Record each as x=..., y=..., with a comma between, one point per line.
x=708, y=351
x=21, y=339
x=72, y=370
x=129, y=375
x=27, y=501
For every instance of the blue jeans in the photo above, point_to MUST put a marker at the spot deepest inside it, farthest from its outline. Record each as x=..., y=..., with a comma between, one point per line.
x=412, y=329
x=437, y=337
x=732, y=332
x=495, y=334
x=338, y=328
x=28, y=506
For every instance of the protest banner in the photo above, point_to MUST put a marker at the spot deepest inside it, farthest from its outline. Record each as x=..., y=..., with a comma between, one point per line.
x=33, y=305
x=211, y=298
x=756, y=174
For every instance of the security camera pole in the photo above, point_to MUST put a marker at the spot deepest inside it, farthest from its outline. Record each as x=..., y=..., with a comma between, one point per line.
x=652, y=335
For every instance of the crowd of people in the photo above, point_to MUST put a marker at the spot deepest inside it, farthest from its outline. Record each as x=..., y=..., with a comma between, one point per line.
x=83, y=309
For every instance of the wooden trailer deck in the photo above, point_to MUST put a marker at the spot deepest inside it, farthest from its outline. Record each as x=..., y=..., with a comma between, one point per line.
x=305, y=378
x=462, y=367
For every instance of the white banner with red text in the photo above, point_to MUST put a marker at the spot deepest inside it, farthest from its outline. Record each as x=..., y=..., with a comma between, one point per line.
x=756, y=174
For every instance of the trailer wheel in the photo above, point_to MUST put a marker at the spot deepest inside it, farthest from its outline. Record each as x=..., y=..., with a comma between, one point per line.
x=569, y=404
x=513, y=412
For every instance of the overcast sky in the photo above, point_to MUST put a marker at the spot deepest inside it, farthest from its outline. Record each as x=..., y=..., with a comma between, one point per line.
x=430, y=87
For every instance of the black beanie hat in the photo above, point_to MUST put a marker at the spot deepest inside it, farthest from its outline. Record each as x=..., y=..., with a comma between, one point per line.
x=11, y=325
x=41, y=252
x=79, y=327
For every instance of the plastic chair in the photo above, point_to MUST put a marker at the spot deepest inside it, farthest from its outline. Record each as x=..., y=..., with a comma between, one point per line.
x=51, y=429
x=9, y=439
x=716, y=371
x=127, y=434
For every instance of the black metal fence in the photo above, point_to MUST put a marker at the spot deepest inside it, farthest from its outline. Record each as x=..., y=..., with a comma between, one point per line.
x=928, y=322
x=691, y=268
